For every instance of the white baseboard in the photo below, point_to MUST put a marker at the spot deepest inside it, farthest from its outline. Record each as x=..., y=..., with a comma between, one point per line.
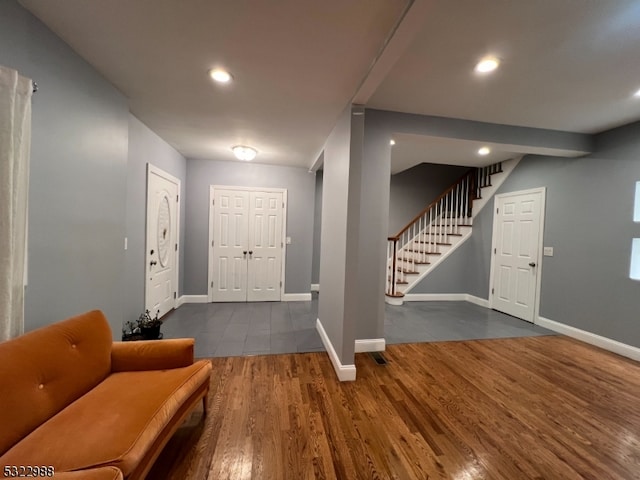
x=445, y=297
x=192, y=299
x=296, y=297
x=370, y=345
x=345, y=372
x=483, y=302
x=315, y=287
x=591, y=338
x=435, y=297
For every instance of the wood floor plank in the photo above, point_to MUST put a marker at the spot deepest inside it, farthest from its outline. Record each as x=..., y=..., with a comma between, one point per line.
x=526, y=408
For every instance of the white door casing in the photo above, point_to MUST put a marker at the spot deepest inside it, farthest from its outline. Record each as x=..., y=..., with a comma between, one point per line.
x=246, y=255
x=161, y=247
x=516, y=253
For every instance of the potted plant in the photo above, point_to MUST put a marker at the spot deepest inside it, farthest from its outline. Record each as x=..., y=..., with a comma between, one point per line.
x=149, y=327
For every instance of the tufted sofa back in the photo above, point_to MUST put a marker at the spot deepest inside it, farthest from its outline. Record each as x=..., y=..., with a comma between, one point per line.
x=44, y=370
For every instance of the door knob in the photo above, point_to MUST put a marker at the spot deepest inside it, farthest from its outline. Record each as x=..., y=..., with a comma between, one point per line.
x=153, y=262
x=244, y=252
x=532, y=264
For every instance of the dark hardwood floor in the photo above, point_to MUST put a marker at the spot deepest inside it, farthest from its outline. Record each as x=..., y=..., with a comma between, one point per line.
x=523, y=408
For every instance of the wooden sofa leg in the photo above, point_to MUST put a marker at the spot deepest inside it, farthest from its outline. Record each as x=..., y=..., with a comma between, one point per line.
x=204, y=405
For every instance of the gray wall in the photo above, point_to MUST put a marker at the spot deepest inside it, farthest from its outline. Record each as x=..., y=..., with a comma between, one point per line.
x=78, y=176
x=145, y=146
x=317, y=229
x=201, y=174
x=589, y=223
x=333, y=245
x=414, y=189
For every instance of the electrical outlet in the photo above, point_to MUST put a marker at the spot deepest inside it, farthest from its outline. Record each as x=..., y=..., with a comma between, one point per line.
x=288, y=240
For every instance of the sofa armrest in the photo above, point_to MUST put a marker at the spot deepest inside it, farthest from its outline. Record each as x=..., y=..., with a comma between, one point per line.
x=152, y=354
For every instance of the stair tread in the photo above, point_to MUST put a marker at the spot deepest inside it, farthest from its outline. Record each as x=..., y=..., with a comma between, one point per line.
x=417, y=262
x=407, y=272
x=421, y=252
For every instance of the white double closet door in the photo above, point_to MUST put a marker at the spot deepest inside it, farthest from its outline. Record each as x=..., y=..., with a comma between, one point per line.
x=247, y=244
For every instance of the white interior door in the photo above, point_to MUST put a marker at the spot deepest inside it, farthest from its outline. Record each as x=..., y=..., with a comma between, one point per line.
x=161, y=257
x=246, y=244
x=230, y=245
x=265, y=244
x=517, y=242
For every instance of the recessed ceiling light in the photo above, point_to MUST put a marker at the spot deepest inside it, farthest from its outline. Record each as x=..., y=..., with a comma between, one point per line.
x=487, y=64
x=220, y=75
x=242, y=152
x=392, y=142
x=637, y=94
x=484, y=151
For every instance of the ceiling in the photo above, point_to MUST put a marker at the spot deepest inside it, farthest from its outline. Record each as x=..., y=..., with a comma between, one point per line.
x=569, y=65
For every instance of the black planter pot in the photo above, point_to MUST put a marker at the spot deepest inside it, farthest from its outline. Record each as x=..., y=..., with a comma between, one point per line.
x=150, y=333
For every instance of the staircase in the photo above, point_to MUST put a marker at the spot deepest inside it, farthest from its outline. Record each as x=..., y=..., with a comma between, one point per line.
x=437, y=231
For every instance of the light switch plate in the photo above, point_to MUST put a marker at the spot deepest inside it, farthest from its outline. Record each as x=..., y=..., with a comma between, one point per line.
x=288, y=240
x=548, y=251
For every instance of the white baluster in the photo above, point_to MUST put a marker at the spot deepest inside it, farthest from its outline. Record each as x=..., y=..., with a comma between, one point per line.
x=440, y=223
x=446, y=219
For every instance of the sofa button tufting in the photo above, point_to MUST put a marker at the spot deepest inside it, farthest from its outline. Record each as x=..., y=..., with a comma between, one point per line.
x=41, y=386
x=73, y=345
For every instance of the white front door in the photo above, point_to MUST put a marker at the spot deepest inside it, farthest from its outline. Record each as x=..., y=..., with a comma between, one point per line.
x=517, y=241
x=161, y=283
x=247, y=244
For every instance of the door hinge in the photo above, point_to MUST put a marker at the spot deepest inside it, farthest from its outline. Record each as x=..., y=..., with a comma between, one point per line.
x=497, y=210
x=176, y=247
x=211, y=284
x=281, y=244
x=213, y=202
x=495, y=250
x=280, y=283
x=212, y=243
x=492, y=291
x=177, y=198
x=282, y=204
x=175, y=295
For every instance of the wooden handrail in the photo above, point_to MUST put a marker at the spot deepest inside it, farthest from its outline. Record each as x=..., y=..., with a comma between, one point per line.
x=469, y=173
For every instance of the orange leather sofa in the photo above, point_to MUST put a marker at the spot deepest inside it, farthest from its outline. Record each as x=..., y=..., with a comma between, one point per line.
x=94, y=409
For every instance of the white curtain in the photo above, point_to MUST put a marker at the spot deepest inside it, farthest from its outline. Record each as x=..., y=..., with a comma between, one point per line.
x=15, y=142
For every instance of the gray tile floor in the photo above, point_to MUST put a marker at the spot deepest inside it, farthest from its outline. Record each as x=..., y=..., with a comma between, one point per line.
x=233, y=329
x=441, y=321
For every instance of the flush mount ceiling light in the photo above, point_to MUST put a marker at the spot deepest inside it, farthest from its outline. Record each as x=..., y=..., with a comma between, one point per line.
x=487, y=64
x=637, y=94
x=392, y=142
x=484, y=151
x=242, y=152
x=220, y=75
